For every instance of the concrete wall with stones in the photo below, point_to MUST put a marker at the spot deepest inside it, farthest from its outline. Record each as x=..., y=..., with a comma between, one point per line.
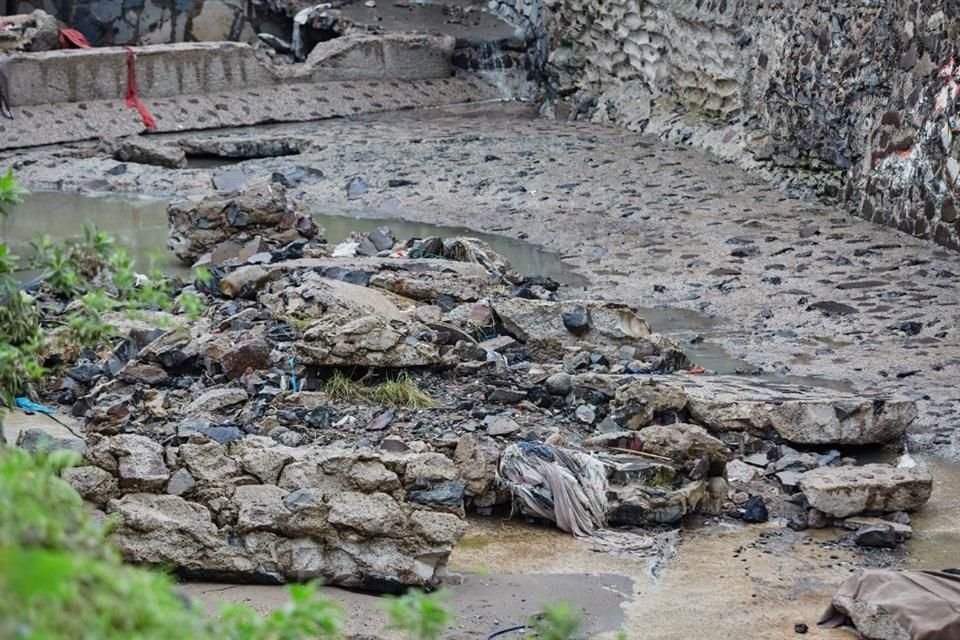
x=135, y=22
x=853, y=100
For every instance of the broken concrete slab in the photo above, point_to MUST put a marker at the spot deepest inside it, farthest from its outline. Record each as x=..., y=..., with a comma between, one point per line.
x=799, y=414
x=540, y=325
x=848, y=491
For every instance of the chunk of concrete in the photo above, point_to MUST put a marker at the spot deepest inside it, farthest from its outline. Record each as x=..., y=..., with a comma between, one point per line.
x=848, y=491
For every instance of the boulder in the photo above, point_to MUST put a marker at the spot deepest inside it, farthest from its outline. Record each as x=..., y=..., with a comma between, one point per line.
x=208, y=462
x=847, y=491
x=639, y=504
x=368, y=341
x=253, y=354
x=260, y=506
x=312, y=296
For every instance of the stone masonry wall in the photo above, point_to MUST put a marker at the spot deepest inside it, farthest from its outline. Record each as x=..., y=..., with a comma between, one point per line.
x=250, y=509
x=855, y=101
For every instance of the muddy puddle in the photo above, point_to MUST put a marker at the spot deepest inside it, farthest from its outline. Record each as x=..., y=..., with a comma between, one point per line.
x=139, y=224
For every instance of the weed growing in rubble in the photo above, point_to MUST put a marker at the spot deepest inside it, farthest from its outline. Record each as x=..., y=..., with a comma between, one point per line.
x=402, y=392
x=21, y=337
x=340, y=386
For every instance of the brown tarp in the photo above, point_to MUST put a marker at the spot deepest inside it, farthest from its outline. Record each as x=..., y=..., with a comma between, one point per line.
x=898, y=605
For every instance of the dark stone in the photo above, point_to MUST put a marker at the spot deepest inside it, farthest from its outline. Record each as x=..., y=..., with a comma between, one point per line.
x=353, y=276
x=444, y=495
x=800, y=628
x=393, y=183
x=755, y=510
x=881, y=535
x=85, y=373
x=506, y=396
x=446, y=302
x=290, y=251
x=382, y=421
x=118, y=170
x=908, y=327
x=236, y=216
x=577, y=321
x=830, y=307
x=319, y=417
x=222, y=434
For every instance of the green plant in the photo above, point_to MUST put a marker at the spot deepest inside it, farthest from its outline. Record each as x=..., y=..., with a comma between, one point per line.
x=21, y=337
x=420, y=616
x=402, y=392
x=339, y=386
x=557, y=622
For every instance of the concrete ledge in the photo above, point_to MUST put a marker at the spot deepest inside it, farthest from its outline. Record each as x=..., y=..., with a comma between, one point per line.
x=163, y=71
x=67, y=95
x=71, y=121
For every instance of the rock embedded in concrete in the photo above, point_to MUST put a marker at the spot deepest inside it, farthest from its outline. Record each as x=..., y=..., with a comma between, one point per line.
x=848, y=491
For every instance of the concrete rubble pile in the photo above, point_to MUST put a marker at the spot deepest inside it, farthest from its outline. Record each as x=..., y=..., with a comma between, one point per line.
x=251, y=443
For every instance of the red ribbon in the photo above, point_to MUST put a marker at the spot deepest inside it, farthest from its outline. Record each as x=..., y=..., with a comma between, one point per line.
x=71, y=38
x=132, y=99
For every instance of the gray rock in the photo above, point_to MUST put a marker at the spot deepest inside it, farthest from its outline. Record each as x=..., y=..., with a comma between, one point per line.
x=213, y=400
x=93, y=484
x=881, y=535
x=684, y=444
x=368, y=341
x=445, y=496
x=35, y=440
x=559, y=384
x=586, y=414
x=181, y=483
x=799, y=414
x=223, y=435
x=375, y=514
x=140, y=464
x=847, y=491
x=500, y=425
x=741, y=472
x=356, y=187
x=208, y=461
x=260, y=507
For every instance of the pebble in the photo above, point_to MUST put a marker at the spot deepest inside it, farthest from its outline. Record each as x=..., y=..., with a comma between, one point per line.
x=559, y=384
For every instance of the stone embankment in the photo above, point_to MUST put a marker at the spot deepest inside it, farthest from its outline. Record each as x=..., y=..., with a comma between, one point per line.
x=337, y=411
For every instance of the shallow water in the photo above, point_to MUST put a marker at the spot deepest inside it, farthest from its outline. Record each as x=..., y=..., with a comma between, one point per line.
x=138, y=224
